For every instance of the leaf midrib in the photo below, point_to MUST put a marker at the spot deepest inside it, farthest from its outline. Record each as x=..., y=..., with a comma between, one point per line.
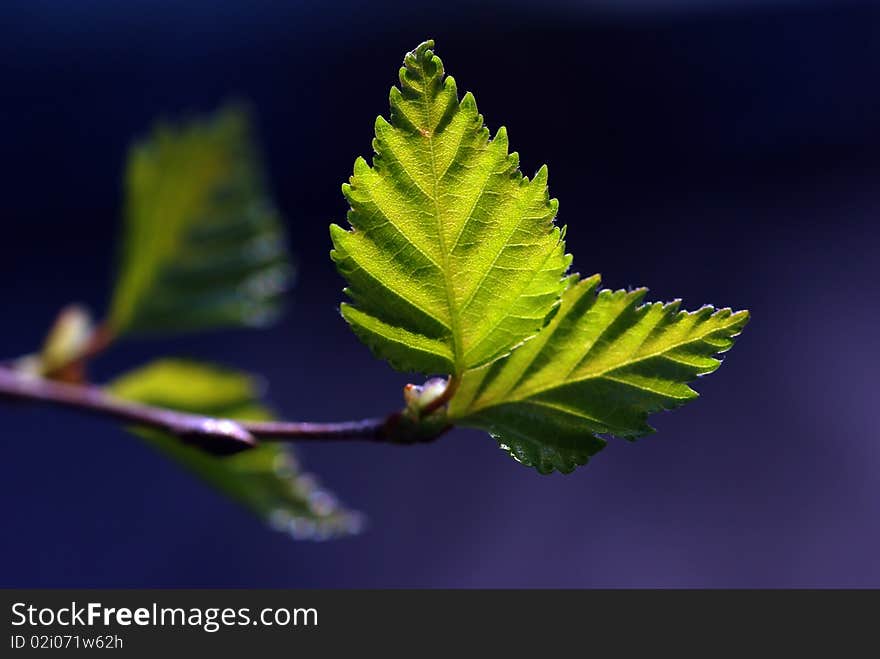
x=454, y=320
x=528, y=394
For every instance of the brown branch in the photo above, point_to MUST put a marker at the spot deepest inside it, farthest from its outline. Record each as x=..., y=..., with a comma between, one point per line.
x=219, y=436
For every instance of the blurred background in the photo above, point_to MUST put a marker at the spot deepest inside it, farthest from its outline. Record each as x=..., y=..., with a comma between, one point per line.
x=724, y=152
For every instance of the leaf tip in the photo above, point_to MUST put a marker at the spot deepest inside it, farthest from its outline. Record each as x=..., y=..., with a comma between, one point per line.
x=742, y=317
x=337, y=236
x=591, y=282
x=424, y=47
x=469, y=102
x=361, y=165
x=542, y=175
x=381, y=124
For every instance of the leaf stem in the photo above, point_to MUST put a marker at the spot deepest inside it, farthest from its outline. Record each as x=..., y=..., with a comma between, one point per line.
x=218, y=436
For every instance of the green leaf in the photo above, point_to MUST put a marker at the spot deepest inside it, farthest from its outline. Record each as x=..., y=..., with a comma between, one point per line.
x=601, y=366
x=203, y=246
x=265, y=479
x=453, y=258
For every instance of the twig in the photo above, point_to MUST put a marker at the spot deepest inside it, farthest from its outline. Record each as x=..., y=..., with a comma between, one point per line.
x=219, y=436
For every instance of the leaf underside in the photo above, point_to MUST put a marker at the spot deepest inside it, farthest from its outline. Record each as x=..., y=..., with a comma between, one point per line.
x=453, y=258
x=600, y=367
x=266, y=479
x=203, y=246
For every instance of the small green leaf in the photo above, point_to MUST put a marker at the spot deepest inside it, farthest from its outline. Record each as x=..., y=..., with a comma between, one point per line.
x=601, y=366
x=203, y=245
x=453, y=258
x=265, y=479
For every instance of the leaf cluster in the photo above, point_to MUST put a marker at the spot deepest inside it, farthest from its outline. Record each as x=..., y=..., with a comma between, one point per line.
x=455, y=266
x=202, y=248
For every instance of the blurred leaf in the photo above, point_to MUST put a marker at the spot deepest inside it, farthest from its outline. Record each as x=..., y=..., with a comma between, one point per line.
x=266, y=479
x=453, y=258
x=203, y=246
x=601, y=366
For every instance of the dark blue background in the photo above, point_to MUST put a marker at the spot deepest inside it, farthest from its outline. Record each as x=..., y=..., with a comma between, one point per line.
x=719, y=152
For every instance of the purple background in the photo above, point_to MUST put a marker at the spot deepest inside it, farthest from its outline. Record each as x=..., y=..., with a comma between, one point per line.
x=719, y=152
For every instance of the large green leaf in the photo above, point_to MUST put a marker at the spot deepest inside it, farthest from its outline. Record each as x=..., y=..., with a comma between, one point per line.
x=266, y=479
x=203, y=246
x=601, y=366
x=453, y=258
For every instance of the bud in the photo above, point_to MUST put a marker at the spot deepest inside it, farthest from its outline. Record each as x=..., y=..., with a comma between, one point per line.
x=419, y=397
x=68, y=339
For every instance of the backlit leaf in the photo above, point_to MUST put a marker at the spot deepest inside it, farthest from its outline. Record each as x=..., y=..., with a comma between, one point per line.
x=600, y=367
x=453, y=258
